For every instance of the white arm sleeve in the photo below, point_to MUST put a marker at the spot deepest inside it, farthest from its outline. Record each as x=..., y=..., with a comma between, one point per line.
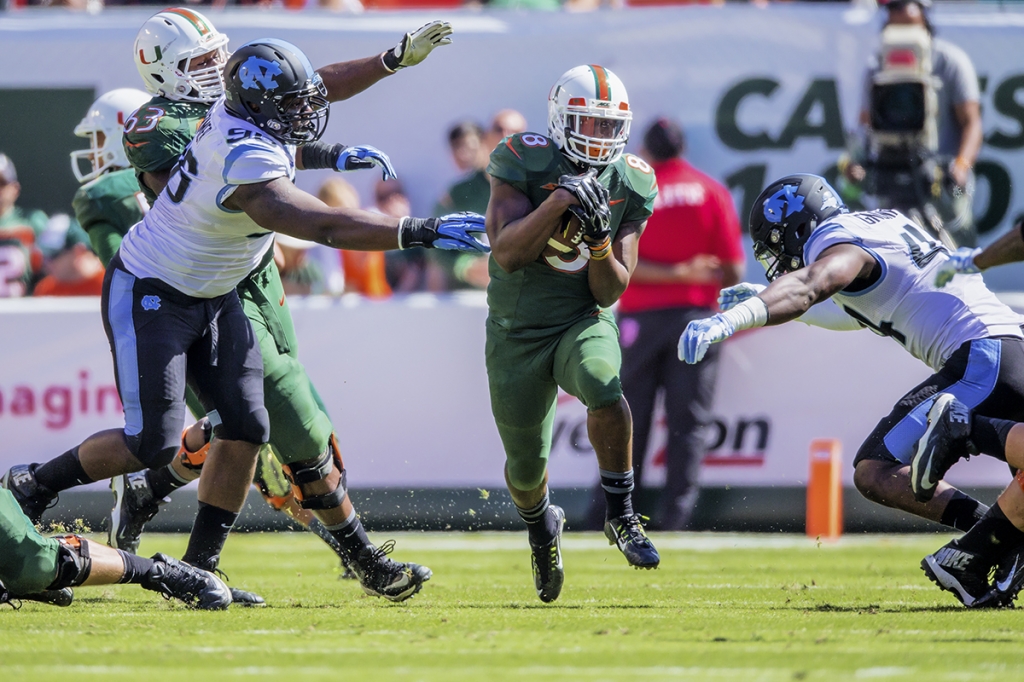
x=828, y=315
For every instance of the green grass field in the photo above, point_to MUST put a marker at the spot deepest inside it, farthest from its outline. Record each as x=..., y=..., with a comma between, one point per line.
x=722, y=607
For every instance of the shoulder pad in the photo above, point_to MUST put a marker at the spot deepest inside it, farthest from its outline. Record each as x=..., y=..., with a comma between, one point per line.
x=523, y=153
x=638, y=175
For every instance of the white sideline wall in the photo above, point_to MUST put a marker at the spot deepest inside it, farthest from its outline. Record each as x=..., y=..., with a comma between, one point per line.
x=405, y=384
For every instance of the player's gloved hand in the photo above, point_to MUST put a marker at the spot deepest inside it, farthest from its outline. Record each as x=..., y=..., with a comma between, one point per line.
x=593, y=209
x=700, y=334
x=363, y=156
x=415, y=46
x=961, y=262
x=453, y=232
x=730, y=296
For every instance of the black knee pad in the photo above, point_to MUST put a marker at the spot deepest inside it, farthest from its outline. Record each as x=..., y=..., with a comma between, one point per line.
x=304, y=473
x=73, y=562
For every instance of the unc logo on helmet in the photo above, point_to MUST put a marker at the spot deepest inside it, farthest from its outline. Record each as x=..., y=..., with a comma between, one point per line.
x=258, y=73
x=783, y=204
x=271, y=84
x=785, y=215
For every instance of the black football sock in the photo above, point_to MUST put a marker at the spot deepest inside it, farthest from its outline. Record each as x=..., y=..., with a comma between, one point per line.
x=63, y=472
x=618, y=493
x=315, y=526
x=989, y=435
x=540, y=530
x=992, y=537
x=209, y=533
x=163, y=482
x=962, y=512
x=350, y=535
x=135, y=567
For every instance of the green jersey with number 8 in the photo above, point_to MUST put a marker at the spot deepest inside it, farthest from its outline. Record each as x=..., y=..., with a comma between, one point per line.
x=551, y=294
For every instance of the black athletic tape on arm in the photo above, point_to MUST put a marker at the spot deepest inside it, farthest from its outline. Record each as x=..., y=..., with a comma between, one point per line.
x=320, y=155
x=417, y=232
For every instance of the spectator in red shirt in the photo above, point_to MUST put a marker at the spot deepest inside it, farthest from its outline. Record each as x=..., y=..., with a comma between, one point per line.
x=689, y=251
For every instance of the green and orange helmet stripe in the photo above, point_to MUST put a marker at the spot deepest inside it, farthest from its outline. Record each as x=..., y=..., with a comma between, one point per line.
x=601, y=85
x=191, y=17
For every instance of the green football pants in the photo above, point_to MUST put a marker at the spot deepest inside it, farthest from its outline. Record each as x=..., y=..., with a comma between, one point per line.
x=300, y=428
x=524, y=377
x=28, y=561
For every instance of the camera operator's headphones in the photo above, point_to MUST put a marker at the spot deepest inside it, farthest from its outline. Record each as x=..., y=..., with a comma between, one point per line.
x=925, y=5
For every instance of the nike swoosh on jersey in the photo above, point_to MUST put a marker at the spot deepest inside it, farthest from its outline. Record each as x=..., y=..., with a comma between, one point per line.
x=133, y=145
x=615, y=201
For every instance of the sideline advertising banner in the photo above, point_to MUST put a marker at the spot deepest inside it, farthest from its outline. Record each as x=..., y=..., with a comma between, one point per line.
x=405, y=384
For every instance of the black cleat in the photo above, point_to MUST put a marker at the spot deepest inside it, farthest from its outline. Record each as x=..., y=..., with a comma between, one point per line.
x=962, y=573
x=197, y=588
x=1008, y=579
x=944, y=443
x=627, y=533
x=546, y=559
x=134, y=507
x=238, y=597
x=245, y=598
x=31, y=496
x=381, y=576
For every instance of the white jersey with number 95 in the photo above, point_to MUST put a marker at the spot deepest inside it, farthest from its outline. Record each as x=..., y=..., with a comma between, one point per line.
x=904, y=302
x=189, y=239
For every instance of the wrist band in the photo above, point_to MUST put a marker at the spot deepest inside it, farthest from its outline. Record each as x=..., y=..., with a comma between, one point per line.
x=384, y=61
x=752, y=312
x=600, y=251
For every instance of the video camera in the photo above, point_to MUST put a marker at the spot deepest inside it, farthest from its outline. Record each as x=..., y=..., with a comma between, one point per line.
x=903, y=169
x=903, y=104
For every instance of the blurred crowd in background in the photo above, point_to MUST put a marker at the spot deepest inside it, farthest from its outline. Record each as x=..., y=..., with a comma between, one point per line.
x=360, y=5
x=43, y=255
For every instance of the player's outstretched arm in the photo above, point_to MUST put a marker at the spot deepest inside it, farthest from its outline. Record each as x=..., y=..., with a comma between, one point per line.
x=346, y=79
x=280, y=206
x=785, y=299
x=1009, y=248
x=517, y=232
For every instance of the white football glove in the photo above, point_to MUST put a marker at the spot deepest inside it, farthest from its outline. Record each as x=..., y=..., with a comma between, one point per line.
x=700, y=334
x=730, y=296
x=961, y=262
x=415, y=46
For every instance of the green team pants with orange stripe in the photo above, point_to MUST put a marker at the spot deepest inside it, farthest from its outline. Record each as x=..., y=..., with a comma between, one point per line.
x=28, y=561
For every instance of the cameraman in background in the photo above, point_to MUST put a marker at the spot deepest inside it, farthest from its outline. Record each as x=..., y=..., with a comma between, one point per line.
x=922, y=127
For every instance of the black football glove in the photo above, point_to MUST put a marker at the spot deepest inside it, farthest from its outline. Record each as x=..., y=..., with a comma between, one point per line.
x=593, y=210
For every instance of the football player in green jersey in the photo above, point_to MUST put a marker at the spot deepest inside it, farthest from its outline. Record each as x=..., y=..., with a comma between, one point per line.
x=109, y=201
x=565, y=214
x=43, y=569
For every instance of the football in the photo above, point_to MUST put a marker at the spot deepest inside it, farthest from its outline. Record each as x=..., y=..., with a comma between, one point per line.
x=565, y=250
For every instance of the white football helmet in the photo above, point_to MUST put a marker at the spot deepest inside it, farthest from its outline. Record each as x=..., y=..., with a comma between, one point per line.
x=589, y=116
x=107, y=116
x=165, y=45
